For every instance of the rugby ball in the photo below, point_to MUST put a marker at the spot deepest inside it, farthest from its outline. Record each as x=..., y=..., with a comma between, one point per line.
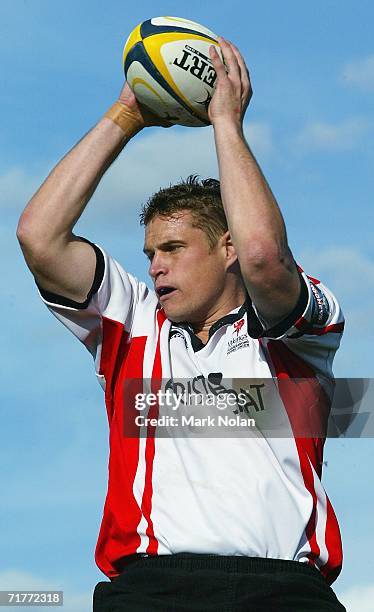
x=167, y=65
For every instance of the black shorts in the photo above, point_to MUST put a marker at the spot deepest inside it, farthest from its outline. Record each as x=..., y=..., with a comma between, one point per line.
x=210, y=583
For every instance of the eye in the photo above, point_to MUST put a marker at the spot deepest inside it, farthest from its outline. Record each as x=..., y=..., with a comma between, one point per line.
x=174, y=247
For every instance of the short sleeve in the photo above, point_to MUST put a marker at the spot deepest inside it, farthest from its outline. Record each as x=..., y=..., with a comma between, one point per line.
x=314, y=328
x=115, y=295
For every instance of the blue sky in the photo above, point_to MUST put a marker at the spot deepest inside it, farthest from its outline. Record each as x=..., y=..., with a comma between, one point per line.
x=311, y=126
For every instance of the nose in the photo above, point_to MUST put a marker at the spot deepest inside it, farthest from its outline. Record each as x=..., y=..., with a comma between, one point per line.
x=158, y=265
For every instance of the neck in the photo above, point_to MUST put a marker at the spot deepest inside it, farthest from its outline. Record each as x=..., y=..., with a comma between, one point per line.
x=201, y=328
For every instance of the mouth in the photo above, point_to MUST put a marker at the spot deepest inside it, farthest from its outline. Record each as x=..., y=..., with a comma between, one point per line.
x=164, y=292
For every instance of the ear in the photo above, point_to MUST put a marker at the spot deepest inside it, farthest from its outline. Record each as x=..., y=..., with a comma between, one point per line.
x=230, y=252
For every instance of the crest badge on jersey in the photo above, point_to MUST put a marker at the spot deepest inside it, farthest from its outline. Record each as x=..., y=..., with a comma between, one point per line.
x=238, y=340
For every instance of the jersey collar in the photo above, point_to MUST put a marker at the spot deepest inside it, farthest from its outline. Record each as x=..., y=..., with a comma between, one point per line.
x=228, y=319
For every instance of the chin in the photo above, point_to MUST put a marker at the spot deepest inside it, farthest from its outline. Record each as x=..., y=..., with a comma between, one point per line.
x=175, y=317
x=174, y=314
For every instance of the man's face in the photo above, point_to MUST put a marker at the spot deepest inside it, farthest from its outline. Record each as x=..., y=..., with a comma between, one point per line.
x=189, y=277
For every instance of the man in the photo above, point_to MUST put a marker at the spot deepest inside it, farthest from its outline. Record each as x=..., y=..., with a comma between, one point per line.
x=198, y=523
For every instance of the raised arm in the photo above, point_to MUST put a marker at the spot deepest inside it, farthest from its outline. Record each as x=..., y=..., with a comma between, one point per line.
x=61, y=262
x=255, y=221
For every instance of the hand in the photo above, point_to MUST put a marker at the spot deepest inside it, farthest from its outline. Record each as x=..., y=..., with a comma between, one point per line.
x=142, y=113
x=233, y=86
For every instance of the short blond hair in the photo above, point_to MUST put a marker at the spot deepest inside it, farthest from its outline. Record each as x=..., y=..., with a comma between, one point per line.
x=202, y=197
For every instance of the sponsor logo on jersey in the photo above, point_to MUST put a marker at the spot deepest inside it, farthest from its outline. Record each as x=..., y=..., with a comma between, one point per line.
x=175, y=333
x=247, y=399
x=321, y=307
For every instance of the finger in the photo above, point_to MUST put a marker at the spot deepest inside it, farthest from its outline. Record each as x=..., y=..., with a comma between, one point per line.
x=243, y=67
x=245, y=78
x=230, y=59
x=217, y=62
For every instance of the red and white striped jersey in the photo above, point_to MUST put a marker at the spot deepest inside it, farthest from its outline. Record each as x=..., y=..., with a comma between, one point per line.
x=251, y=495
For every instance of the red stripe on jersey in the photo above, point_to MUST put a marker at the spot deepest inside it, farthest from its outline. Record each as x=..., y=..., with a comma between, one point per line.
x=304, y=326
x=332, y=568
x=300, y=397
x=311, y=278
x=118, y=535
x=314, y=280
x=152, y=547
x=112, y=354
